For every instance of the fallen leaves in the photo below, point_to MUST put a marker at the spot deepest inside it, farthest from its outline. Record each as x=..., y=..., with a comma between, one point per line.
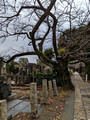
x=53, y=110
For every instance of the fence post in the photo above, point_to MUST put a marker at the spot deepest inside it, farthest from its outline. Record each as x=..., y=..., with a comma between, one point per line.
x=45, y=93
x=9, y=82
x=50, y=88
x=3, y=110
x=16, y=79
x=86, y=77
x=55, y=88
x=33, y=99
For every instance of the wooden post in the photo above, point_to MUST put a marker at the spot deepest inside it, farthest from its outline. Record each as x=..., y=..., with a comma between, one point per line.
x=33, y=99
x=3, y=110
x=45, y=93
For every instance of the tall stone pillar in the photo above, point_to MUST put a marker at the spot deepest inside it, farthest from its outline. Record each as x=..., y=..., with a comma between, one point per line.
x=50, y=88
x=19, y=79
x=22, y=78
x=9, y=82
x=45, y=93
x=55, y=88
x=33, y=99
x=16, y=79
x=3, y=110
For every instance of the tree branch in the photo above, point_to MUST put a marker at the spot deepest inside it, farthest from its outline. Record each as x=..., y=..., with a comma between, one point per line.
x=18, y=55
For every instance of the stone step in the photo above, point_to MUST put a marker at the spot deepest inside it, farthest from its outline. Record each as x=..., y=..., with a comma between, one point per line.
x=16, y=106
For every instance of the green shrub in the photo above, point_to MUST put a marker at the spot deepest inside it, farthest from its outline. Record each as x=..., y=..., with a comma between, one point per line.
x=49, y=76
x=61, y=51
x=49, y=53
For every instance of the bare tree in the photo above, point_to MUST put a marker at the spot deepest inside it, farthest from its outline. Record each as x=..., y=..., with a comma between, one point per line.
x=42, y=21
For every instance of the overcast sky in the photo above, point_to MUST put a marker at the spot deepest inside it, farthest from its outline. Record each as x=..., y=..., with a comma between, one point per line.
x=12, y=46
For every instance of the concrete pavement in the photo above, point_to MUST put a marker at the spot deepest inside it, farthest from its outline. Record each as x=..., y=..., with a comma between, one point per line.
x=82, y=99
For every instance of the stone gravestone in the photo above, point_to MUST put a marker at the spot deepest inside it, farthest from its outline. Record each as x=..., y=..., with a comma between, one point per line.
x=9, y=82
x=33, y=99
x=45, y=93
x=3, y=110
x=22, y=78
x=19, y=79
x=55, y=88
x=50, y=88
x=16, y=79
x=86, y=77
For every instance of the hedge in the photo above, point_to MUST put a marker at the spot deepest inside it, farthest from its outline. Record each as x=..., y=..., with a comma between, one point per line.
x=51, y=76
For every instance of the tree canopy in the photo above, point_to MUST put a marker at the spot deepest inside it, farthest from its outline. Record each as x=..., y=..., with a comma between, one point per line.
x=41, y=22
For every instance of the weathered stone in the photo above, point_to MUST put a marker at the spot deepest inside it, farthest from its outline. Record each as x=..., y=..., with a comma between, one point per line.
x=45, y=93
x=55, y=88
x=33, y=99
x=19, y=80
x=16, y=79
x=86, y=77
x=50, y=88
x=82, y=100
x=22, y=78
x=3, y=110
x=9, y=82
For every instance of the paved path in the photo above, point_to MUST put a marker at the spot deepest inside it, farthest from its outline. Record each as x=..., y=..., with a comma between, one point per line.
x=82, y=98
x=68, y=111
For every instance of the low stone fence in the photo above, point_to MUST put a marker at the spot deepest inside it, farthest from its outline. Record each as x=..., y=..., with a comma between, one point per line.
x=33, y=97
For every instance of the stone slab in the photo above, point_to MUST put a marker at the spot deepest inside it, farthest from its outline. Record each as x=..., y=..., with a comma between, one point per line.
x=13, y=103
x=12, y=96
x=16, y=106
x=22, y=105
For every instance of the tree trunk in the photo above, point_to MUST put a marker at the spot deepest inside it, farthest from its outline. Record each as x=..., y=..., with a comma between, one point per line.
x=64, y=75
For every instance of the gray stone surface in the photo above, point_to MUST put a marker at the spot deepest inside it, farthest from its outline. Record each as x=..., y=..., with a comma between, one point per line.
x=3, y=110
x=12, y=96
x=50, y=89
x=16, y=106
x=45, y=92
x=13, y=103
x=33, y=99
x=82, y=98
x=55, y=88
